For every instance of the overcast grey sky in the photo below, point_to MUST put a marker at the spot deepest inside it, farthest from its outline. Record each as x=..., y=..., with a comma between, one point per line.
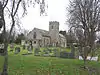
x=56, y=12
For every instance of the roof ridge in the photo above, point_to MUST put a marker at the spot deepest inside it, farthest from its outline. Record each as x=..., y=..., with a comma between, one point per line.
x=39, y=29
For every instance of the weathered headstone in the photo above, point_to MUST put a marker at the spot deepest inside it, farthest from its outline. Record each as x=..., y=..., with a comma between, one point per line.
x=55, y=51
x=64, y=54
x=27, y=45
x=49, y=50
x=23, y=47
x=36, y=52
x=46, y=53
x=29, y=49
x=11, y=47
x=17, y=50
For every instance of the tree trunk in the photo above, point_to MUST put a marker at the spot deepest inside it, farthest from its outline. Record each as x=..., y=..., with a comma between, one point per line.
x=84, y=63
x=5, y=65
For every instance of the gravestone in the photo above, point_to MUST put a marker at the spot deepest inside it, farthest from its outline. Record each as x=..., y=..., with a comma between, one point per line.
x=64, y=54
x=17, y=50
x=89, y=58
x=11, y=47
x=36, y=52
x=30, y=50
x=50, y=51
x=72, y=51
x=46, y=53
x=55, y=51
x=71, y=55
x=24, y=47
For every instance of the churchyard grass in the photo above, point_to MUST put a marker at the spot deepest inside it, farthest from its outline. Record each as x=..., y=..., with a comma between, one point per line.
x=19, y=64
x=34, y=65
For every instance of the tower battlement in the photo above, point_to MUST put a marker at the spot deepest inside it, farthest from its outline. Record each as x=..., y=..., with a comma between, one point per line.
x=53, y=22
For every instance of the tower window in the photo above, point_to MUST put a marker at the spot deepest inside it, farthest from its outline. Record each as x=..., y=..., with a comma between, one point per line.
x=34, y=42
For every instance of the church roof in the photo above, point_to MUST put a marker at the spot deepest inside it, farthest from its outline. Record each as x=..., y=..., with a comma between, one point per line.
x=43, y=32
x=61, y=35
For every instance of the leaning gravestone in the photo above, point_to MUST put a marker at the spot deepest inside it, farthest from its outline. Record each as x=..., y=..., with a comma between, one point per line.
x=17, y=50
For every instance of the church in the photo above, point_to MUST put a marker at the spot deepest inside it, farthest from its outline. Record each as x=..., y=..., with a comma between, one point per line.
x=43, y=38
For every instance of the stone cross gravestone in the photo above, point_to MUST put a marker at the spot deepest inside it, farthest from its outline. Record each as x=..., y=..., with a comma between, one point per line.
x=17, y=50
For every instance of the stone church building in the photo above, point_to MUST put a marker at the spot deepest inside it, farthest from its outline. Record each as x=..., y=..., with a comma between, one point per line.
x=43, y=38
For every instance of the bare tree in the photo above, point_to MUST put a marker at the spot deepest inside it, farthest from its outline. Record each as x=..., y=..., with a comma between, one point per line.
x=84, y=20
x=11, y=7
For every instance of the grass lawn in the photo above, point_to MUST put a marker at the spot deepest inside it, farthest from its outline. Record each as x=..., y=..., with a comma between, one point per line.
x=32, y=65
x=35, y=65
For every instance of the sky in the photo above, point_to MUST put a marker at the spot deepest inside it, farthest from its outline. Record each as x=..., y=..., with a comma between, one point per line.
x=56, y=12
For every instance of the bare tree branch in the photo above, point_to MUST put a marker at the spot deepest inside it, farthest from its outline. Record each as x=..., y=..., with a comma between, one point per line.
x=5, y=4
x=85, y=18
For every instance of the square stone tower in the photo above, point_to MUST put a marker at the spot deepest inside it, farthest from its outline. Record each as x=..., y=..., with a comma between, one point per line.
x=54, y=32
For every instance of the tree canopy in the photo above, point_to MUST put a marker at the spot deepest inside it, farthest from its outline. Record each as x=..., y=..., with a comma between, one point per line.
x=10, y=8
x=84, y=20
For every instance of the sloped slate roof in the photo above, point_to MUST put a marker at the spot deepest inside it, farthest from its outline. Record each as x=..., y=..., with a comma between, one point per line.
x=61, y=35
x=43, y=32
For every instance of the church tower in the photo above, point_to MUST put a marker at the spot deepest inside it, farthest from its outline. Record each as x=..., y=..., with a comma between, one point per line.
x=54, y=32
